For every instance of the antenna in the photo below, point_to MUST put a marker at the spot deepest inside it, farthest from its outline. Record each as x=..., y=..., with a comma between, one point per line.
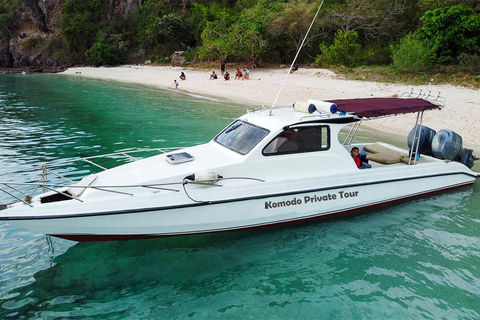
x=296, y=56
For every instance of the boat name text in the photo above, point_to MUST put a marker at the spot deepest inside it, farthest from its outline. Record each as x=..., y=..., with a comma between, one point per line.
x=311, y=199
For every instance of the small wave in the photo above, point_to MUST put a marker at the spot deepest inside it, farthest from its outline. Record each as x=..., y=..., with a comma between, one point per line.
x=201, y=97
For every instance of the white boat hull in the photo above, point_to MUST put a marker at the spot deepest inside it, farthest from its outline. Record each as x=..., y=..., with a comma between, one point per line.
x=260, y=171
x=240, y=213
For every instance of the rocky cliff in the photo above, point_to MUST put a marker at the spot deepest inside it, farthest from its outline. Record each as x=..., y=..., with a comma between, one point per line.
x=36, y=28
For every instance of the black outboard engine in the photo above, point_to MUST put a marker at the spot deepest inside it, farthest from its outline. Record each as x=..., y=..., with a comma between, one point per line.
x=426, y=137
x=466, y=157
x=446, y=145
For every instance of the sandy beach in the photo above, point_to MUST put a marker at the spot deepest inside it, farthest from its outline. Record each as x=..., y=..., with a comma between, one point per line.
x=461, y=113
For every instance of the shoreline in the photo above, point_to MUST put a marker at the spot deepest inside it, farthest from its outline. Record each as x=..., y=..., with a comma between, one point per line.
x=461, y=113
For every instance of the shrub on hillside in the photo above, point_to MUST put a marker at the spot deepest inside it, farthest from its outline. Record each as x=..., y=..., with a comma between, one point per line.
x=449, y=32
x=471, y=62
x=410, y=54
x=345, y=50
x=104, y=53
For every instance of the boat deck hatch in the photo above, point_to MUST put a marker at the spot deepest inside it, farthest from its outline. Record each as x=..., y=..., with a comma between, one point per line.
x=56, y=197
x=181, y=157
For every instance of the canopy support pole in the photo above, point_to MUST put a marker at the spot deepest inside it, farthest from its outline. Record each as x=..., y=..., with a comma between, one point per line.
x=416, y=139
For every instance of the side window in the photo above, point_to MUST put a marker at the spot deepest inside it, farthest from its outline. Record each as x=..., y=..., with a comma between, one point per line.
x=301, y=139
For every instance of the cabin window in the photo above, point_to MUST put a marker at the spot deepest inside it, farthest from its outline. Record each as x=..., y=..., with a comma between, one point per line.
x=301, y=139
x=241, y=136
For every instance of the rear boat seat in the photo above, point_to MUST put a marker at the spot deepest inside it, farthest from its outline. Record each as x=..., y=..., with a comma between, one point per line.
x=384, y=155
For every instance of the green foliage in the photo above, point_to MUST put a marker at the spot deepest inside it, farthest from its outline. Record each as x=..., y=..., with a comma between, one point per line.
x=241, y=36
x=160, y=30
x=173, y=29
x=80, y=22
x=215, y=38
x=202, y=14
x=162, y=59
x=104, y=53
x=470, y=62
x=345, y=50
x=288, y=26
x=145, y=20
x=448, y=32
x=7, y=15
x=372, y=20
x=189, y=55
x=410, y=54
x=347, y=32
x=426, y=5
x=32, y=43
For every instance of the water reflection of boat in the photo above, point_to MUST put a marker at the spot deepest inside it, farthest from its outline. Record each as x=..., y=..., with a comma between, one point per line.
x=267, y=168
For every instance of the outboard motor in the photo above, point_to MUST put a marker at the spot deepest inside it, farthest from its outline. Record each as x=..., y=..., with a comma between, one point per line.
x=446, y=145
x=426, y=137
x=466, y=157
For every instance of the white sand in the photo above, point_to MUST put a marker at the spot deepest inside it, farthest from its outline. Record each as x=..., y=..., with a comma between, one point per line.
x=461, y=113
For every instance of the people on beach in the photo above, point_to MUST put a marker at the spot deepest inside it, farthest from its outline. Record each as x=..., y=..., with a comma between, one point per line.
x=213, y=76
x=222, y=67
x=294, y=68
x=226, y=76
x=246, y=74
x=183, y=76
x=238, y=75
x=175, y=84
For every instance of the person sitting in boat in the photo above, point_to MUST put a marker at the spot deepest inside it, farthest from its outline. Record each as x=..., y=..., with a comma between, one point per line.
x=355, y=153
x=183, y=76
x=213, y=76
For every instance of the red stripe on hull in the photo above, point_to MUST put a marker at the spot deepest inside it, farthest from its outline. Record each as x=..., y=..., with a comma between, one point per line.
x=119, y=237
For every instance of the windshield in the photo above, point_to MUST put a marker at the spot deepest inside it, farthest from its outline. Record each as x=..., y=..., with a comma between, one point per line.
x=241, y=136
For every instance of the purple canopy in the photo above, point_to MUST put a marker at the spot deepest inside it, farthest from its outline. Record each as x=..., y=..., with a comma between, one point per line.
x=380, y=107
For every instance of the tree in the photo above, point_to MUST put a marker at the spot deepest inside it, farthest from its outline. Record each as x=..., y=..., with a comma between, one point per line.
x=215, y=38
x=81, y=21
x=428, y=5
x=174, y=30
x=448, y=32
x=371, y=19
x=345, y=50
x=293, y=19
x=104, y=53
x=7, y=15
x=410, y=54
x=240, y=36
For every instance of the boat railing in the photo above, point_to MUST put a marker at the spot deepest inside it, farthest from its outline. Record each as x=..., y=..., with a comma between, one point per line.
x=351, y=134
x=426, y=95
x=259, y=109
x=23, y=184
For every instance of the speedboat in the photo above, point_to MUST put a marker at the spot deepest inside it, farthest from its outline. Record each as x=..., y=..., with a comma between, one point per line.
x=269, y=167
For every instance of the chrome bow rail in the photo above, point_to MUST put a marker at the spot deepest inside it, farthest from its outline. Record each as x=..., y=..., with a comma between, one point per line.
x=21, y=185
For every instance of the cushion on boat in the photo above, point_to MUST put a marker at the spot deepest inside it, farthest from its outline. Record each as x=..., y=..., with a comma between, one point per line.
x=376, y=148
x=384, y=157
x=382, y=154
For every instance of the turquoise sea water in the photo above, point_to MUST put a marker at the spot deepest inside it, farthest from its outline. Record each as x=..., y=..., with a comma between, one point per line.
x=416, y=260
